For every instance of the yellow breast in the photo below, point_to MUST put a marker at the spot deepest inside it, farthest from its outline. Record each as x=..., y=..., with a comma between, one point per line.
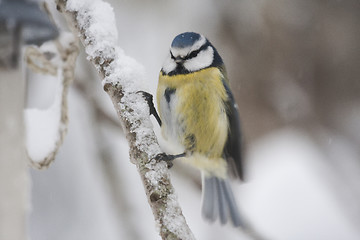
x=198, y=110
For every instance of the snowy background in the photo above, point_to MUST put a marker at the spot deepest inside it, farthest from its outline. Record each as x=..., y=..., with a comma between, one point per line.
x=294, y=68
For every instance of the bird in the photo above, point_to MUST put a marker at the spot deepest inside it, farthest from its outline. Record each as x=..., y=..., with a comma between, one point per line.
x=199, y=116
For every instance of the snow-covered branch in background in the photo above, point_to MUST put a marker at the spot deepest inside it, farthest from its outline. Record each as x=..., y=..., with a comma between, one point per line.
x=57, y=59
x=94, y=23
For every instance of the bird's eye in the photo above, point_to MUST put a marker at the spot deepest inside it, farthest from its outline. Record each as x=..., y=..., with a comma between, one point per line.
x=193, y=54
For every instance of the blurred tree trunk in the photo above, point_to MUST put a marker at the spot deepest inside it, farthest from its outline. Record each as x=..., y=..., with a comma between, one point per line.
x=14, y=178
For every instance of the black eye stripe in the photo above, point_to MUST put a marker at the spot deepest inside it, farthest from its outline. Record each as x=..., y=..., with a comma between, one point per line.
x=193, y=53
x=172, y=56
x=196, y=52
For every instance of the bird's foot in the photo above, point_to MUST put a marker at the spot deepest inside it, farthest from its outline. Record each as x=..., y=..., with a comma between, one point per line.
x=149, y=99
x=169, y=158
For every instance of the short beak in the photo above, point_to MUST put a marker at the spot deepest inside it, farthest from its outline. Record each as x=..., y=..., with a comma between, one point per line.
x=179, y=59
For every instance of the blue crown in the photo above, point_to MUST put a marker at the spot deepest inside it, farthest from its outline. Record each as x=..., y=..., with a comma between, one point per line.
x=186, y=39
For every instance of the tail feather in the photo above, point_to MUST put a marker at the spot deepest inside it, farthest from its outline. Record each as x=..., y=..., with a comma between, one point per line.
x=222, y=201
x=209, y=194
x=231, y=203
x=218, y=201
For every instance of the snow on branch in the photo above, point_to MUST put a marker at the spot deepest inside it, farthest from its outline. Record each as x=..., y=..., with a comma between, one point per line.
x=94, y=22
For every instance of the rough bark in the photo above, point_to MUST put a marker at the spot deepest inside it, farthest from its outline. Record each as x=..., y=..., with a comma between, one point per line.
x=137, y=127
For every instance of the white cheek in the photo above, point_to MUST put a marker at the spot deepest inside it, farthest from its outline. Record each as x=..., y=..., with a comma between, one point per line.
x=169, y=65
x=202, y=60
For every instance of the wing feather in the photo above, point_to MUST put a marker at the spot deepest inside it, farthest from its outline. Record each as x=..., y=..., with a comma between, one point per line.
x=233, y=146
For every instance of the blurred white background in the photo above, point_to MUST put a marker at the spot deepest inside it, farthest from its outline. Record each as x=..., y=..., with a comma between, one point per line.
x=294, y=68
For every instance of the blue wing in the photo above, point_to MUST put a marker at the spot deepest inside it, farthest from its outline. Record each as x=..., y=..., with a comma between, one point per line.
x=233, y=146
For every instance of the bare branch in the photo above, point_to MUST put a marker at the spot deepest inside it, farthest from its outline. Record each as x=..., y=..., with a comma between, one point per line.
x=120, y=77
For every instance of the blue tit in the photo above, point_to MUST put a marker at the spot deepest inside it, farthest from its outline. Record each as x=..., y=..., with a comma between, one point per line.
x=199, y=115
